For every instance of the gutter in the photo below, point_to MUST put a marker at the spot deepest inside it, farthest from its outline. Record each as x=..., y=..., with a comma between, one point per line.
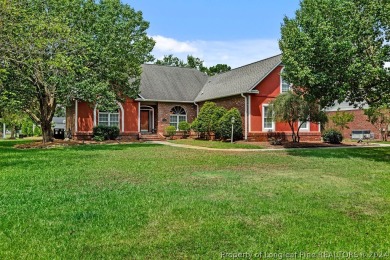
x=246, y=116
x=253, y=91
x=168, y=101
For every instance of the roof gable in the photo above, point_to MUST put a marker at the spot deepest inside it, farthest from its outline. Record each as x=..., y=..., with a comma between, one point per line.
x=239, y=80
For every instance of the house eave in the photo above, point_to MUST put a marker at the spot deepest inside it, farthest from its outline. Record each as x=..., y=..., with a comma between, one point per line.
x=160, y=100
x=230, y=95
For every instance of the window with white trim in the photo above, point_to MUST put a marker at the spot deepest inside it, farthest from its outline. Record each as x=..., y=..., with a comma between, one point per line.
x=109, y=119
x=285, y=86
x=268, y=123
x=178, y=114
x=304, y=126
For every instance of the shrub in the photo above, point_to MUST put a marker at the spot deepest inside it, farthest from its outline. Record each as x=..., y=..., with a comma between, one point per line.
x=98, y=138
x=332, y=136
x=105, y=132
x=184, y=126
x=207, y=121
x=170, y=131
x=224, y=129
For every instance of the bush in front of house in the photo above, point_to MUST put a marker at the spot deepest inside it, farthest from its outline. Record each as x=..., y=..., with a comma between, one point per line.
x=102, y=132
x=207, y=121
x=170, y=131
x=185, y=127
x=332, y=136
x=224, y=129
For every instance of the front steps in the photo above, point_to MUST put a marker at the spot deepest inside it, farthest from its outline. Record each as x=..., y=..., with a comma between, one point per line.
x=150, y=137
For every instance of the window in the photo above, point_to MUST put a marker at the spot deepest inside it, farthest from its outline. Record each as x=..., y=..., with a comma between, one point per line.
x=285, y=86
x=304, y=126
x=108, y=119
x=268, y=123
x=178, y=114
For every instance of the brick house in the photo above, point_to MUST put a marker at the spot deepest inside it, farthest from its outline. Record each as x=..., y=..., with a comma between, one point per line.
x=360, y=127
x=169, y=95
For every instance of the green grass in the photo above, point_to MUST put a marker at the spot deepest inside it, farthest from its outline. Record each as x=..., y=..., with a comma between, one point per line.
x=144, y=201
x=216, y=144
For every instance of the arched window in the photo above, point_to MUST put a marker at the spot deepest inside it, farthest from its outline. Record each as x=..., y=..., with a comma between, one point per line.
x=178, y=114
x=285, y=86
x=109, y=118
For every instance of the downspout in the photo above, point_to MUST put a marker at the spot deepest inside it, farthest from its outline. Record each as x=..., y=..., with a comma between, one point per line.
x=197, y=109
x=246, y=117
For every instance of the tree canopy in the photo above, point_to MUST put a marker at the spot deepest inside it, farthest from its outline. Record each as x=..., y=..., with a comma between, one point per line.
x=55, y=52
x=335, y=50
x=192, y=62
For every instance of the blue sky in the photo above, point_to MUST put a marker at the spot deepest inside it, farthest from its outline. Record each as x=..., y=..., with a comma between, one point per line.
x=231, y=32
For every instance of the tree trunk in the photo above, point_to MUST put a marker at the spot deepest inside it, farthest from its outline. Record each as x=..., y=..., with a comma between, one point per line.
x=47, y=133
x=12, y=132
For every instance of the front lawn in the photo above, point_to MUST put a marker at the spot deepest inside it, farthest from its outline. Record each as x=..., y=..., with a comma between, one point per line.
x=216, y=144
x=147, y=201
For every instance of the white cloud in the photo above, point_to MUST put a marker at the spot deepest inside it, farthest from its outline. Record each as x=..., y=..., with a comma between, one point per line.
x=164, y=44
x=234, y=53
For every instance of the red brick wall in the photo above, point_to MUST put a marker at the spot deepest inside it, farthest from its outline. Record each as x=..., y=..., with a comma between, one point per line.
x=359, y=123
x=164, y=111
x=269, y=89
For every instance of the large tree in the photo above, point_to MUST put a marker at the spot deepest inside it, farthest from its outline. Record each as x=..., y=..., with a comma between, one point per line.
x=336, y=50
x=55, y=52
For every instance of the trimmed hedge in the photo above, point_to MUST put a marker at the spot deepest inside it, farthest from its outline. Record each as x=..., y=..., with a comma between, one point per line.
x=105, y=132
x=332, y=136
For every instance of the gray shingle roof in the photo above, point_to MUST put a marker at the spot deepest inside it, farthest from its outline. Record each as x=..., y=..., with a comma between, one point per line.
x=239, y=80
x=170, y=83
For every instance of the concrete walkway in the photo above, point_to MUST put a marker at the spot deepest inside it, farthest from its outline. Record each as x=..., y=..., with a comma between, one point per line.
x=260, y=150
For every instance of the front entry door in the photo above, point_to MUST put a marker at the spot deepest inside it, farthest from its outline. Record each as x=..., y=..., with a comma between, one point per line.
x=145, y=120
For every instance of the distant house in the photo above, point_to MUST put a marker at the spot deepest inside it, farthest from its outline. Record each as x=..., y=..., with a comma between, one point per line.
x=169, y=95
x=360, y=127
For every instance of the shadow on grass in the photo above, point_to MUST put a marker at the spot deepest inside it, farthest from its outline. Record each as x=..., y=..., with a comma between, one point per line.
x=380, y=154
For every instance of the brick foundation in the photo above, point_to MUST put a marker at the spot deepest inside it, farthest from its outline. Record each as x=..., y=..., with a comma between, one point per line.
x=263, y=137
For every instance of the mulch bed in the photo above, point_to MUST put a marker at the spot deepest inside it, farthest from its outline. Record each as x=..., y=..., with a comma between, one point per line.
x=304, y=144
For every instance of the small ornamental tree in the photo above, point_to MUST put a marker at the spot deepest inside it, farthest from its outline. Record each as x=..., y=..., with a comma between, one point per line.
x=380, y=118
x=224, y=130
x=295, y=110
x=208, y=118
x=342, y=119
